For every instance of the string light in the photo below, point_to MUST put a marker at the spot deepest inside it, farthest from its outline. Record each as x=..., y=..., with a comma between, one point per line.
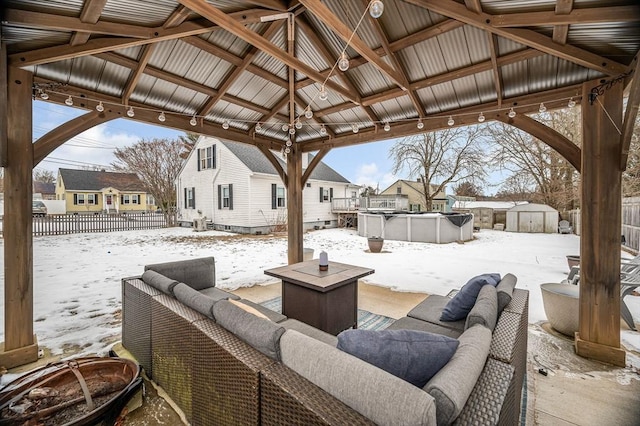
x=258, y=127
x=131, y=112
x=451, y=121
x=308, y=113
x=225, y=124
x=323, y=130
x=287, y=150
x=323, y=95
x=69, y=101
x=387, y=127
x=100, y=107
x=289, y=143
x=571, y=103
x=542, y=108
x=343, y=63
x=376, y=7
x=420, y=124
x=292, y=131
x=354, y=128
x=285, y=127
x=512, y=113
x=193, y=121
x=162, y=117
x=481, y=118
x=44, y=95
x=298, y=124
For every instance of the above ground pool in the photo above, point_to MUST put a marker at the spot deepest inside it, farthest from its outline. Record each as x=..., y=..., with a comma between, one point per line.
x=419, y=227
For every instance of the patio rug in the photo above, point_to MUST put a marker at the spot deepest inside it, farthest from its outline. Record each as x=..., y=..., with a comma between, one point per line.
x=366, y=319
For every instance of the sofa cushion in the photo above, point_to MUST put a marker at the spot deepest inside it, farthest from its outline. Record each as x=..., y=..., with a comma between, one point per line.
x=194, y=299
x=453, y=384
x=218, y=294
x=460, y=305
x=430, y=310
x=408, y=323
x=374, y=393
x=485, y=310
x=505, y=291
x=272, y=315
x=251, y=310
x=414, y=356
x=196, y=273
x=262, y=334
x=159, y=282
x=308, y=330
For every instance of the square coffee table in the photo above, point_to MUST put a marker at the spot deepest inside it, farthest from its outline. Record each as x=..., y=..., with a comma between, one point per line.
x=327, y=300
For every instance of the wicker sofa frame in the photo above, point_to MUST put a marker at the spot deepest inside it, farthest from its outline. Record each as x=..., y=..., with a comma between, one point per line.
x=216, y=378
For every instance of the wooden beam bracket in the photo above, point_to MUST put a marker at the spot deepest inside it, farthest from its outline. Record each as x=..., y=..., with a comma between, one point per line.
x=606, y=85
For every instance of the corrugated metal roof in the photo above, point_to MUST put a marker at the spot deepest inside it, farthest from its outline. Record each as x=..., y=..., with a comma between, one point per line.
x=180, y=77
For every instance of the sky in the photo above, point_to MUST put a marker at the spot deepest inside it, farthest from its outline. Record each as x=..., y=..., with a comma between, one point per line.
x=366, y=164
x=77, y=303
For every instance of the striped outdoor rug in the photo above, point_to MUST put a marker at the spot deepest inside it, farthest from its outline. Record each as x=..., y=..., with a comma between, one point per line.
x=366, y=319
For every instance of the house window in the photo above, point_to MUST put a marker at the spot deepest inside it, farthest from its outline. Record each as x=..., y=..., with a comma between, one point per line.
x=354, y=195
x=414, y=207
x=399, y=190
x=150, y=200
x=125, y=199
x=206, y=158
x=92, y=199
x=78, y=199
x=135, y=199
x=190, y=198
x=280, y=196
x=325, y=195
x=225, y=196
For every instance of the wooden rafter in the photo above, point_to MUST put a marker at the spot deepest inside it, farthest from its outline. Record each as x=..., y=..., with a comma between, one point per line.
x=273, y=112
x=107, y=44
x=527, y=37
x=575, y=16
x=238, y=70
x=495, y=68
x=325, y=15
x=228, y=23
x=91, y=11
x=269, y=4
x=560, y=32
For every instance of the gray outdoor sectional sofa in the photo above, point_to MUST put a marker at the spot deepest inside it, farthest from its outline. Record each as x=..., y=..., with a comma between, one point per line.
x=225, y=360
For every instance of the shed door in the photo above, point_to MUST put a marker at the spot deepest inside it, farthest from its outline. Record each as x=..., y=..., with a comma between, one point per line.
x=530, y=222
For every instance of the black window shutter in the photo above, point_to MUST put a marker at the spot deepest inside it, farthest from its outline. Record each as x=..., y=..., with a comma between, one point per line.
x=219, y=197
x=96, y=199
x=330, y=194
x=213, y=156
x=198, y=152
x=122, y=199
x=274, y=189
x=186, y=206
x=230, y=196
x=75, y=199
x=193, y=197
x=321, y=194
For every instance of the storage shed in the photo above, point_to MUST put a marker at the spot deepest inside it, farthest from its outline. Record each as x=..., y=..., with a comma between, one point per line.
x=538, y=218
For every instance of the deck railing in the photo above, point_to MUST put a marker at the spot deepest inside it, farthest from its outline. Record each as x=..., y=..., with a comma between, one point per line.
x=397, y=202
x=60, y=224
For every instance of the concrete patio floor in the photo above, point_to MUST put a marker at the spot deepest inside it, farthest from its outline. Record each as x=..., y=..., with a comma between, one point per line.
x=574, y=390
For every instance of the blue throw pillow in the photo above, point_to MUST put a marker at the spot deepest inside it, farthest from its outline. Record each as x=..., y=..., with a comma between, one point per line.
x=414, y=356
x=459, y=307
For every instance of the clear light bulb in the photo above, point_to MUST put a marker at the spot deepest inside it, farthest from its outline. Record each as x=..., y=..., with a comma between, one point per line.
x=298, y=124
x=44, y=95
x=308, y=113
x=100, y=107
x=292, y=131
x=69, y=101
x=376, y=7
x=354, y=128
x=225, y=124
x=512, y=113
x=343, y=63
x=451, y=121
x=162, y=117
x=287, y=150
x=193, y=121
x=131, y=112
x=258, y=127
x=285, y=127
x=323, y=130
x=289, y=143
x=420, y=124
x=323, y=95
x=387, y=127
x=571, y=103
x=542, y=107
x=481, y=118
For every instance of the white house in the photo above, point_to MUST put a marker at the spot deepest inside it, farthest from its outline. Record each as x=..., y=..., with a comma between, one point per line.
x=235, y=188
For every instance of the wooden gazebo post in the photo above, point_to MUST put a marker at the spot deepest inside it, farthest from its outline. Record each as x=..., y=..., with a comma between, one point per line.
x=20, y=346
x=599, y=332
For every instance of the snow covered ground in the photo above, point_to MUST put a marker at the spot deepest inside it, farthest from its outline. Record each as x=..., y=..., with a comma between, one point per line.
x=77, y=291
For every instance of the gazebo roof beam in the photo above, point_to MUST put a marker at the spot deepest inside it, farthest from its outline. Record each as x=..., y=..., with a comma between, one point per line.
x=575, y=16
x=91, y=11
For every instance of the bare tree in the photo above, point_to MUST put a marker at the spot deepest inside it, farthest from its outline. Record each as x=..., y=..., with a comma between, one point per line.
x=157, y=163
x=188, y=142
x=631, y=176
x=468, y=189
x=446, y=157
x=536, y=169
x=46, y=176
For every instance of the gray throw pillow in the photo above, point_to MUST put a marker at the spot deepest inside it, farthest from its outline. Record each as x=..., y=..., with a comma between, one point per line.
x=459, y=307
x=414, y=356
x=159, y=282
x=194, y=299
x=485, y=310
